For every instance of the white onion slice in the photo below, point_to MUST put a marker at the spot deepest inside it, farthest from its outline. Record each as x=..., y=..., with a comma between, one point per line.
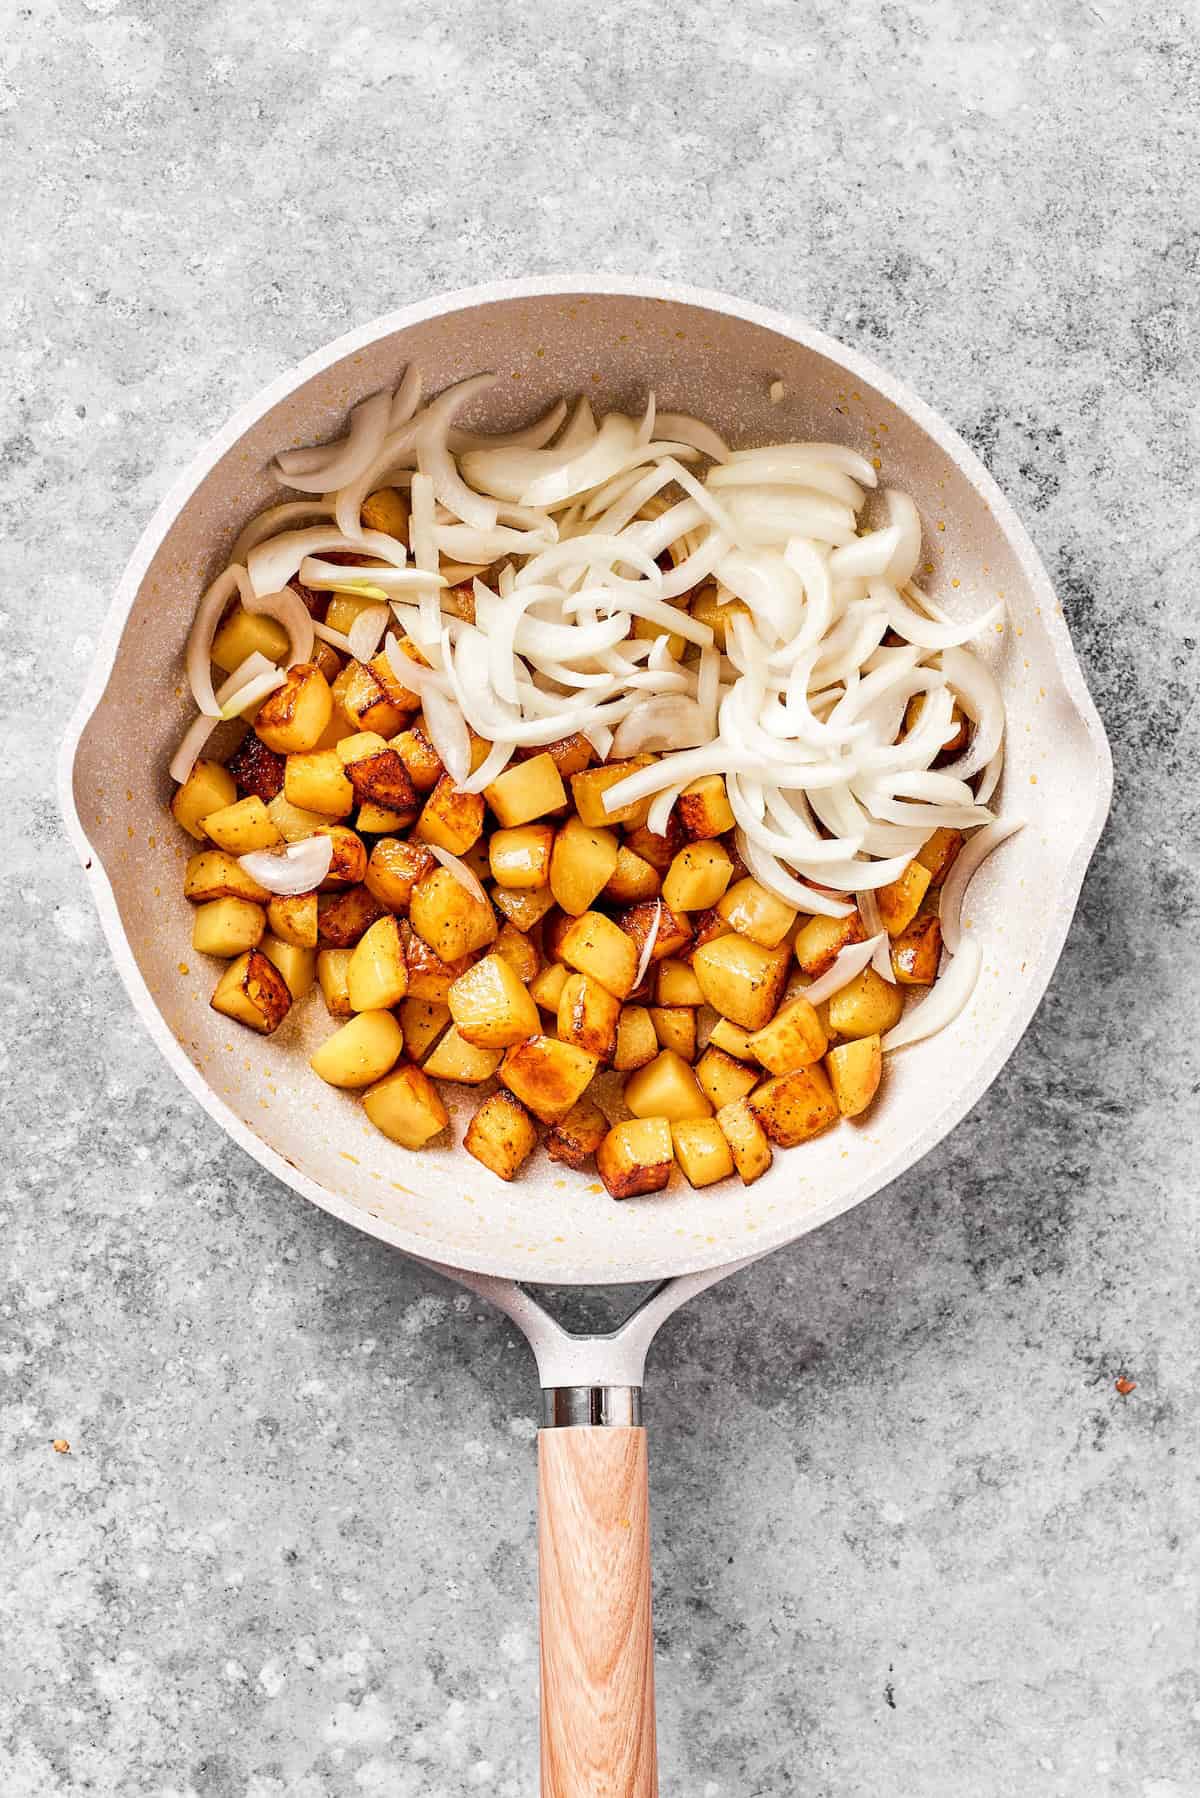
x=805, y=455
x=336, y=639
x=456, y=866
x=969, y=858
x=252, y=693
x=406, y=398
x=293, y=512
x=534, y=436
x=271, y=565
x=659, y=815
x=945, y=999
x=905, y=518
x=288, y=609
x=204, y=628
x=366, y=633
x=925, y=631
x=300, y=868
x=770, y=873
x=681, y=427
x=347, y=460
x=648, y=946
x=983, y=702
x=847, y=963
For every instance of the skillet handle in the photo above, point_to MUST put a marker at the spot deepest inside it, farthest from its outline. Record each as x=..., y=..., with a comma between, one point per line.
x=597, y=1659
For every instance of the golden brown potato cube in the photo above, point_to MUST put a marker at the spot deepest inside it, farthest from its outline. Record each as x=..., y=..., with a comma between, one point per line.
x=523, y=910
x=358, y=746
x=348, y=868
x=214, y=875
x=393, y=870
x=383, y=780
x=254, y=993
x=548, y=985
x=422, y=1021
x=675, y=983
x=386, y=510
x=332, y=968
x=420, y=758
x=570, y=755
x=701, y=1151
x=819, y=941
x=292, y=718
x=298, y=966
x=293, y=823
x=868, y=1005
x=666, y=1087
x=674, y=930
x=636, y=1157
x=501, y=1135
x=917, y=951
x=369, y=697
x=377, y=977
x=361, y=1052
x=633, y=880
x=317, y=782
x=380, y=821
x=576, y=1139
x=449, y=918
x=227, y=927
x=741, y=979
x=732, y=1038
x=514, y=947
x=451, y=819
x=343, y=917
x=593, y=944
x=343, y=608
x=940, y=853
x=335, y=732
x=406, y=1106
x=554, y=929
x=757, y=913
x=900, y=902
x=519, y=859
x=581, y=863
x=752, y=1153
x=257, y=769
x=792, y=1039
x=491, y=1007
x=637, y=1040
x=794, y=1106
x=454, y=1058
x=675, y=1028
x=207, y=789
x=855, y=1070
x=326, y=658
x=706, y=928
x=659, y=851
x=698, y=876
x=548, y=1076
x=244, y=633
x=588, y=790
x=587, y=1015
x=526, y=790
x=429, y=977
x=722, y=1078
x=293, y=919
x=704, y=809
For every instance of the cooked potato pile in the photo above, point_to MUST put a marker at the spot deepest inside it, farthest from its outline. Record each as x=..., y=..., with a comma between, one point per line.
x=601, y=950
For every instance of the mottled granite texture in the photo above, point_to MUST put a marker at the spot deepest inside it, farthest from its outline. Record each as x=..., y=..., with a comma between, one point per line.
x=911, y=1541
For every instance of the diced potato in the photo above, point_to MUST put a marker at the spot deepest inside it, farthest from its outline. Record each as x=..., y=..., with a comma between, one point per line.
x=587, y=1015
x=454, y=1058
x=519, y=952
x=917, y=951
x=394, y=868
x=429, y=977
x=291, y=821
x=633, y=880
x=757, y=913
x=792, y=1039
x=637, y=1040
x=333, y=965
x=588, y=790
x=868, y=1005
x=704, y=809
x=343, y=917
x=227, y=927
x=548, y=1076
x=675, y=1028
x=348, y=868
x=666, y=1087
x=377, y=977
x=674, y=930
x=526, y=790
x=254, y=993
x=491, y=1007
x=420, y=758
x=242, y=634
x=576, y=1139
x=257, y=769
x=369, y=697
x=940, y=854
x=451, y=819
x=698, y=877
x=520, y=858
x=659, y=851
x=795, y=1106
x=212, y=874
x=361, y=1052
x=722, y=1078
x=706, y=610
x=554, y=929
x=298, y=966
x=206, y=790
x=570, y=755
x=501, y=1135
x=701, y=1151
x=344, y=608
x=732, y=1038
x=646, y=631
x=379, y=820
x=317, y=782
x=335, y=732
x=819, y=941
x=594, y=945
x=706, y=928
x=741, y=979
x=422, y=1022
x=291, y=720
x=547, y=986
x=449, y=918
x=293, y=919
x=636, y=1157
x=752, y=1153
x=382, y=780
x=581, y=864
x=855, y=1070
x=900, y=902
x=675, y=983
x=523, y=910
x=406, y=1106
x=386, y=510
x=326, y=658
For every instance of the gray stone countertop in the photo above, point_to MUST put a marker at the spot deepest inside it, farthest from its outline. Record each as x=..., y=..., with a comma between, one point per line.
x=911, y=1540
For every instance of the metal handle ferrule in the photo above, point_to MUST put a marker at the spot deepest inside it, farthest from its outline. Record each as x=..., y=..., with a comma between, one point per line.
x=576, y=1407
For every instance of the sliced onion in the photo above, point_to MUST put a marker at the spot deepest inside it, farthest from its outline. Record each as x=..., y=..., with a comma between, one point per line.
x=968, y=860
x=659, y=815
x=924, y=631
x=292, y=513
x=204, y=628
x=847, y=963
x=202, y=727
x=347, y=460
x=648, y=946
x=336, y=639
x=981, y=699
x=681, y=427
x=807, y=455
x=288, y=609
x=299, y=868
x=533, y=436
x=579, y=430
x=366, y=633
x=945, y=999
x=271, y=565
x=903, y=515
x=456, y=866
x=252, y=694
x=406, y=398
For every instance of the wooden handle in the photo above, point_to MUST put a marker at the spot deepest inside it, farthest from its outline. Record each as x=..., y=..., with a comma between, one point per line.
x=597, y=1641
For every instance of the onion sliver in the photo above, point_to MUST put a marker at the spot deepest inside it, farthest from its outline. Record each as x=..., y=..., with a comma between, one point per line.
x=299, y=869
x=460, y=871
x=288, y=609
x=966, y=862
x=366, y=633
x=348, y=459
x=293, y=512
x=271, y=565
x=252, y=693
x=533, y=436
x=683, y=428
x=945, y=1000
x=846, y=964
x=648, y=947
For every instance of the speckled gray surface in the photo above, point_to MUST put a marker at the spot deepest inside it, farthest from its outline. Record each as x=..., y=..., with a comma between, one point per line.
x=911, y=1541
